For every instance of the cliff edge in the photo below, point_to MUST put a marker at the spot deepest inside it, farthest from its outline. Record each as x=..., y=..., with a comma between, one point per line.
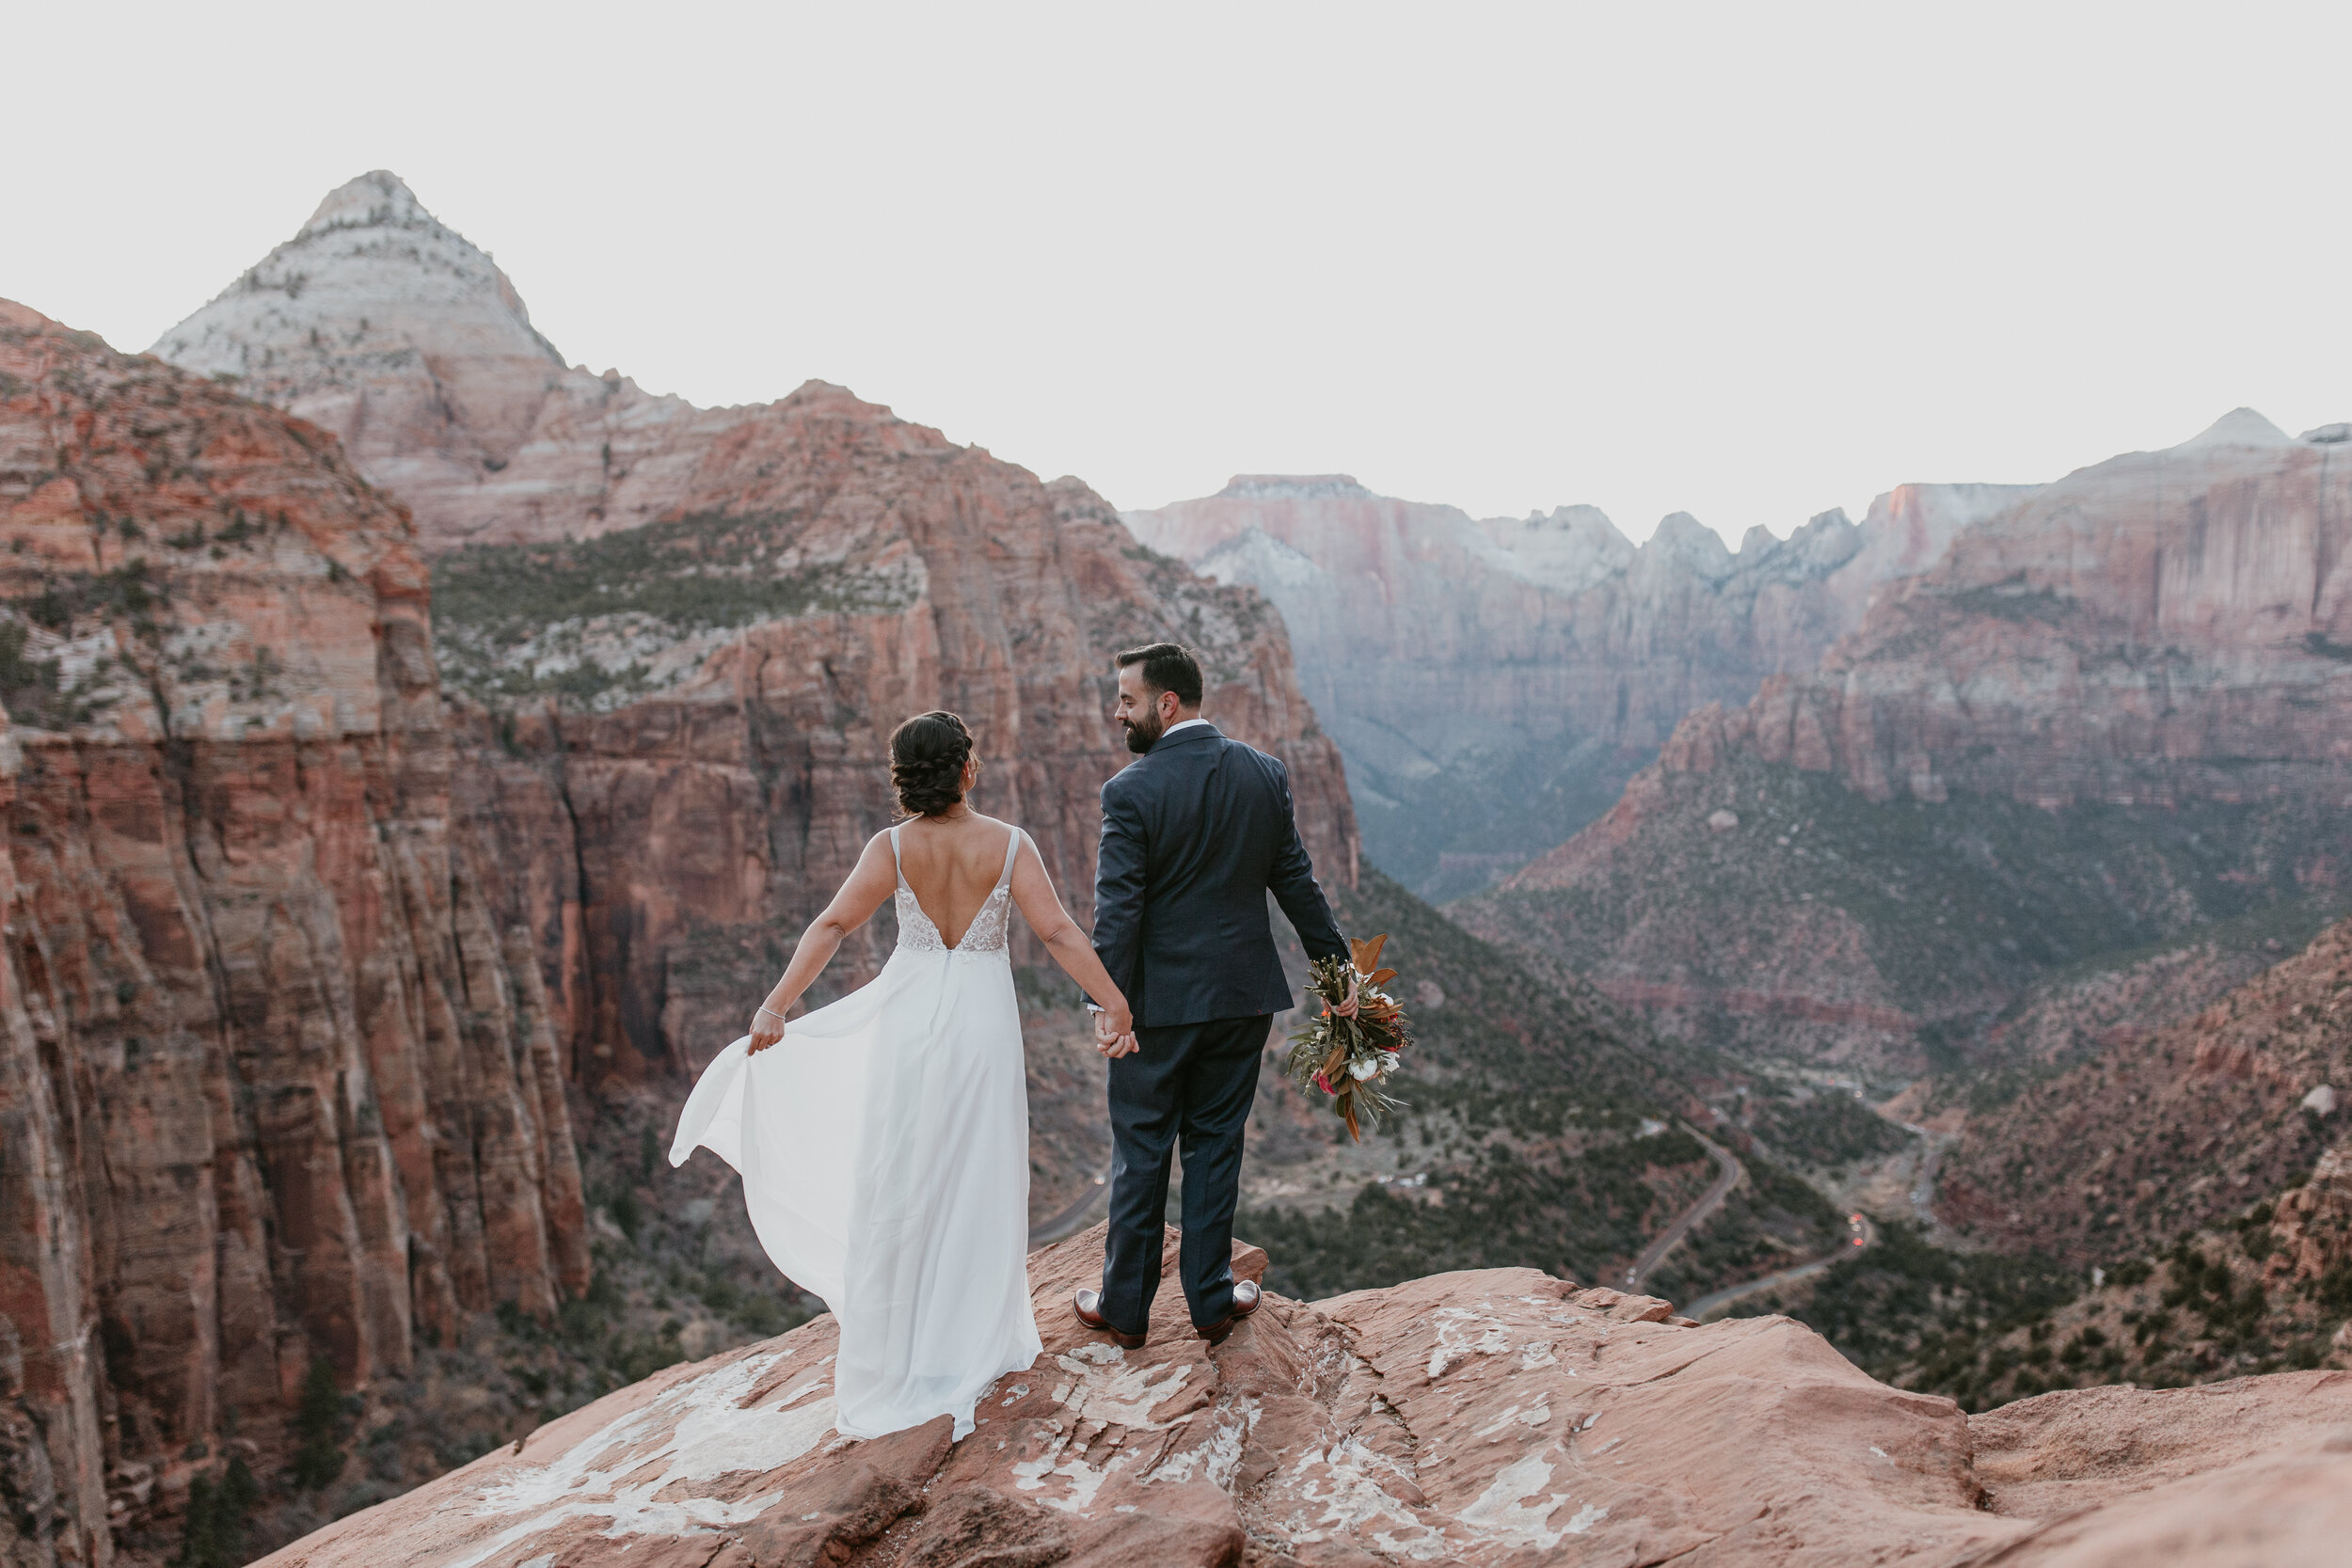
x=1488, y=1417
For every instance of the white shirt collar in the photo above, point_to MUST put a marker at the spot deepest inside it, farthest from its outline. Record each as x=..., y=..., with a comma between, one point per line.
x=1181, y=724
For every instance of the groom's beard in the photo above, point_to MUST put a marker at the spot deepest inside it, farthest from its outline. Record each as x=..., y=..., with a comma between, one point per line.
x=1143, y=734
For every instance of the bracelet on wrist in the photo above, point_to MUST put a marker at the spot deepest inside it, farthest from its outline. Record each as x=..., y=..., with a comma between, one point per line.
x=773, y=1013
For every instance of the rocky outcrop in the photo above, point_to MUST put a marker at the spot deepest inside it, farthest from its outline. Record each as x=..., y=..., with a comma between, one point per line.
x=680, y=668
x=1493, y=683
x=2110, y=712
x=2311, y=1227
x=276, y=1082
x=1501, y=1416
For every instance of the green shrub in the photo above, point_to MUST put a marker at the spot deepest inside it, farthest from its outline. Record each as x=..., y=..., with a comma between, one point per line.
x=2335, y=1289
x=220, y=1506
x=1830, y=1129
x=317, y=1424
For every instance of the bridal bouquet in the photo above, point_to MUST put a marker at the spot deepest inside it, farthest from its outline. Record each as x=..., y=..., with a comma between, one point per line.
x=1353, y=1047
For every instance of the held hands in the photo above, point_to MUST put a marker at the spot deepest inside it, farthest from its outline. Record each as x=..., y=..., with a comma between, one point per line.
x=1115, y=1032
x=767, y=1028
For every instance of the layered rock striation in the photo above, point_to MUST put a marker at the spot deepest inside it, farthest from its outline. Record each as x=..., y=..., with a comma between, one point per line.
x=1494, y=683
x=277, y=1082
x=2115, y=710
x=1486, y=1418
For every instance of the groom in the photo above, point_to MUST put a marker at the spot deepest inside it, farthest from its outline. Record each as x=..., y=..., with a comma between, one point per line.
x=1194, y=834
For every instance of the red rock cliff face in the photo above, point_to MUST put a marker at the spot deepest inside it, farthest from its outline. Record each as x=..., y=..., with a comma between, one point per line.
x=675, y=723
x=712, y=816
x=1494, y=683
x=276, y=1082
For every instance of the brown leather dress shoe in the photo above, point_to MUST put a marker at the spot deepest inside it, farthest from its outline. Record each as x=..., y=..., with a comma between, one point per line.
x=1246, y=1298
x=1088, y=1305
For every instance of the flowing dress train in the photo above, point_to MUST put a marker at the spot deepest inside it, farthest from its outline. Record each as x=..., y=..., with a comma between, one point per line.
x=884, y=1149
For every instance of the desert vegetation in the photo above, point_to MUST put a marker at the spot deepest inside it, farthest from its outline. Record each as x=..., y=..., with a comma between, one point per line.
x=589, y=621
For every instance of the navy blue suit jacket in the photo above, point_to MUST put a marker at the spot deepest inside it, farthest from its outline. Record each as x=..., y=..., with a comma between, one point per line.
x=1196, y=832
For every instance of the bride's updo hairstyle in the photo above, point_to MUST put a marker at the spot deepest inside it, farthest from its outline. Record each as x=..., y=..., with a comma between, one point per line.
x=927, y=757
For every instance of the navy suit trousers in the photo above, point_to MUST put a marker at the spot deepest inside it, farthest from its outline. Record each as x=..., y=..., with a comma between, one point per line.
x=1190, y=1083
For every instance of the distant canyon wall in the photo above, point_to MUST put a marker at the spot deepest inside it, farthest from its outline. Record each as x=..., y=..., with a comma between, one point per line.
x=1494, y=683
x=2115, y=710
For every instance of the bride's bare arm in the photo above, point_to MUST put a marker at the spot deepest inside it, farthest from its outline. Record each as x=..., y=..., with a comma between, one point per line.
x=875, y=879
x=1040, y=906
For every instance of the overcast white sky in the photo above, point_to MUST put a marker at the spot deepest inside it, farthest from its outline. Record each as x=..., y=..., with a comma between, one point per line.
x=1748, y=262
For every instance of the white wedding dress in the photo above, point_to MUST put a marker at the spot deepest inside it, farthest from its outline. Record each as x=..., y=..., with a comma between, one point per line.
x=884, y=1149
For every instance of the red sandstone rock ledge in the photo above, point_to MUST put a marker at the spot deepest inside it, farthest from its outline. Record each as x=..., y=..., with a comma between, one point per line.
x=1494, y=1417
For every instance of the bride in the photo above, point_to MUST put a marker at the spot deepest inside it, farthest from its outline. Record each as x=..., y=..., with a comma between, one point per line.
x=884, y=1141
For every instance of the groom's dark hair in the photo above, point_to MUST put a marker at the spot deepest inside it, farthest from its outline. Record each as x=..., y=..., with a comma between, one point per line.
x=1168, y=667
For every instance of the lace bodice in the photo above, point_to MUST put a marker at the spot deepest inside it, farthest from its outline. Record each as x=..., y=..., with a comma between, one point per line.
x=990, y=930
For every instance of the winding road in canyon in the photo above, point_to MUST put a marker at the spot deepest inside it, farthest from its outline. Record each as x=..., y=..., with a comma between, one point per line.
x=1077, y=1217
x=1862, y=1234
x=1729, y=1174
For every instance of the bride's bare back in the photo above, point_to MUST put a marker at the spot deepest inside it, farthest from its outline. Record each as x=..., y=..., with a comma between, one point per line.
x=951, y=866
x=951, y=861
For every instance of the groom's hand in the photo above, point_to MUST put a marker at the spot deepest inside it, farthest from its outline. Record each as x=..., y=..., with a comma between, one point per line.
x=1114, y=1033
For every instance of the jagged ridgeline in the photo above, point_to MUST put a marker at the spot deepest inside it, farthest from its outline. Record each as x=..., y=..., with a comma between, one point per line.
x=1547, y=1117
x=605, y=620
x=1494, y=682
